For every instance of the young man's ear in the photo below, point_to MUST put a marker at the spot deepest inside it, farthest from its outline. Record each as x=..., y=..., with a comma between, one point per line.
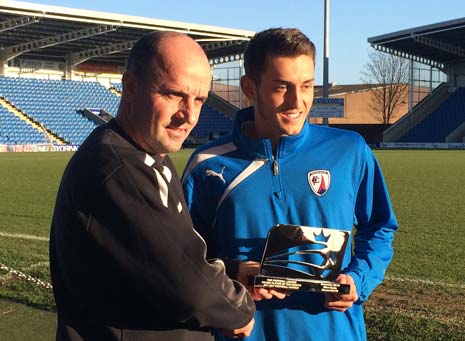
x=248, y=87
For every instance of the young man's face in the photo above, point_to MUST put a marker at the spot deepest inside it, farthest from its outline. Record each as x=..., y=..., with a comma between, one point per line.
x=283, y=97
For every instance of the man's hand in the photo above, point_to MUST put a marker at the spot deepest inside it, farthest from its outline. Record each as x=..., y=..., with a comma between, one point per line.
x=250, y=269
x=240, y=332
x=342, y=302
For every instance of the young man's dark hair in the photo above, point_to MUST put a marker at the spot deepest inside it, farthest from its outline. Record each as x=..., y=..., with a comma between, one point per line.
x=276, y=42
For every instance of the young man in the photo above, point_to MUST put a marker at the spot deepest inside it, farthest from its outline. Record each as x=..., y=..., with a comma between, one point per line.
x=276, y=168
x=125, y=261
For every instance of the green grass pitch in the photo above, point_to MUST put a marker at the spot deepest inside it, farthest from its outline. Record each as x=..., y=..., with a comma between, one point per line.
x=421, y=298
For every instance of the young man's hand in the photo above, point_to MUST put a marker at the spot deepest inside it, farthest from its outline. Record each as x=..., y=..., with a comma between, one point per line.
x=342, y=302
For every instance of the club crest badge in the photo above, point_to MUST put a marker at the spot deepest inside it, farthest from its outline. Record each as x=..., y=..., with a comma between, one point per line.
x=319, y=181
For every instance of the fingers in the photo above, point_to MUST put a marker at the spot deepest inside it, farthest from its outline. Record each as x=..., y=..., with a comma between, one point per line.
x=279, y=294
x=239, y=332
x=342, y=302
x=249, y=268
x=336, y=302
x=262, y=293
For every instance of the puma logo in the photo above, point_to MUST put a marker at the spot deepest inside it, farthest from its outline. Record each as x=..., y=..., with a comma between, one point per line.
x=210, y=172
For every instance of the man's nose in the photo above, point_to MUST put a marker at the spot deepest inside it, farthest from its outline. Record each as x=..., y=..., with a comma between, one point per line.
x=294, y=98
x=189, y=110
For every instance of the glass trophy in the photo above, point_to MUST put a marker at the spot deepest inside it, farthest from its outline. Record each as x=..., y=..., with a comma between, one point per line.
x=303, y=258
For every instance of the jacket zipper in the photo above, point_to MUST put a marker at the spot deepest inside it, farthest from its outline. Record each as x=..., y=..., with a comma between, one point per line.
x=275, y=167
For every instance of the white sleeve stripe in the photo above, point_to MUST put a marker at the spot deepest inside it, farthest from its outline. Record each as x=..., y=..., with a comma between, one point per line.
x=167, y=173
x=163, y=188
x=207, y=154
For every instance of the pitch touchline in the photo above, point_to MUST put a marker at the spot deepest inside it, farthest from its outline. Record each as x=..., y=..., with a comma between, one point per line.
x=30, y=267
x=23, y=236
x=396, y=279
x=425, y=281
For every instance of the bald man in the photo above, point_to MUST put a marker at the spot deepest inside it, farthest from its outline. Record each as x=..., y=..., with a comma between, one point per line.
x=125, y=261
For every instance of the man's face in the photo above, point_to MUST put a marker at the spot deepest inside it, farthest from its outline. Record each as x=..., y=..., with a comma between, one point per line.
x=168, y=104
x=283, y=97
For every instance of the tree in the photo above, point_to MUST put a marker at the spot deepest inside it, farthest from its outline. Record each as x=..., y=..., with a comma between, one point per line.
x=389, y=76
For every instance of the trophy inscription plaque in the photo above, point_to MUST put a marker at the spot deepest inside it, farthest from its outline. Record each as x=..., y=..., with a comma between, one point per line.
x=303, y=258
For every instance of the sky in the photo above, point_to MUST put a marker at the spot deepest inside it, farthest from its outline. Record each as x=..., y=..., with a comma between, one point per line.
x=351, y=22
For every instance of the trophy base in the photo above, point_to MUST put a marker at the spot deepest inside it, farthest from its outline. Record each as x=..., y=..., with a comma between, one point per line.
x=299, y=284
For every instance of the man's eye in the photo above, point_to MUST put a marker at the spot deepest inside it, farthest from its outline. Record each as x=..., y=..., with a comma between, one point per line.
x=173, y=95
x=281, y=88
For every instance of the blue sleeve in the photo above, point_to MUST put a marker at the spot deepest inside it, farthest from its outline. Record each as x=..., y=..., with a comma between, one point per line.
x=197, y=204
x=375, y=225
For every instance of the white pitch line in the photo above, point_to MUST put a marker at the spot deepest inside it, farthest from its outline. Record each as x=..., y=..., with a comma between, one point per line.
x=395, y=279
x=35, y=265
x=425, y=281
x=30, y=267
x=23, y=236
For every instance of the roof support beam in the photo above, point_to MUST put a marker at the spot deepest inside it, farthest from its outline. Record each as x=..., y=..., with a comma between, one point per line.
x=16, y=50
x=220, y=52
x=440, y=45
x=406, y=55
x=226, y=58
x=18, y=22
x=220, y=44
x=79, y=57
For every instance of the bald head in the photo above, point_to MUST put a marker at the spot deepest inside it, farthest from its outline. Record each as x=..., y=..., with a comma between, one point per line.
x=155, y=51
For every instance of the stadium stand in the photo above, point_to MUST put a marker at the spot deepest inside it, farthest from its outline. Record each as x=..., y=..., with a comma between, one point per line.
x=439, y=117
x=211, y=124
x=417, y=114
x=441, y=122
x=57, y=105
x=13, y=130
x=118, y=87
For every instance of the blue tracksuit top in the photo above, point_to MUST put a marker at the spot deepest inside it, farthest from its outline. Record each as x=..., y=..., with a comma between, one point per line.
x=236, y=191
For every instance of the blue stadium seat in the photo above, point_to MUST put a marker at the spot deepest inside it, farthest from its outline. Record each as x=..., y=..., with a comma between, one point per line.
x=211, y=123
x=441, y=122
x=57, y=104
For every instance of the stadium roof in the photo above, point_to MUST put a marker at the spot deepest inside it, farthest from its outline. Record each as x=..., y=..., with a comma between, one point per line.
x=338, y=90
x=437, y=44
x=57, y=33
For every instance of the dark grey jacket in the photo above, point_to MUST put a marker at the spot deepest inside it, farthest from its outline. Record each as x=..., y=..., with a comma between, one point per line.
x=125, y=261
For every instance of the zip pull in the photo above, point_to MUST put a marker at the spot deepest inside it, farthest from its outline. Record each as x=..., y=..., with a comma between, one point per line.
x=275, y=168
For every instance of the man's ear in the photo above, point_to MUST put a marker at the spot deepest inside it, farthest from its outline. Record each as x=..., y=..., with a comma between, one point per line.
x=248, y=87
x=129, y=82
